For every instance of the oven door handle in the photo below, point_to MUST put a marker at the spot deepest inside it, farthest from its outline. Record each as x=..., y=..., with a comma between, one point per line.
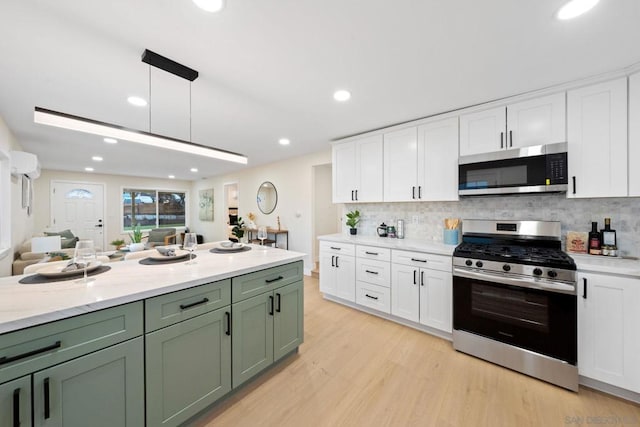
x=514, y=281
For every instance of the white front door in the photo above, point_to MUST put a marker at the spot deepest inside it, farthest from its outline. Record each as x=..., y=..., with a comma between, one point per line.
x=79, y=207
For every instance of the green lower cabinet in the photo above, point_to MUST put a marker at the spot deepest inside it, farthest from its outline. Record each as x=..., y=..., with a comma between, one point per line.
x=188, y=367
x=15, y=403
x=252, y=343
x=105, y=388
x=288, y=329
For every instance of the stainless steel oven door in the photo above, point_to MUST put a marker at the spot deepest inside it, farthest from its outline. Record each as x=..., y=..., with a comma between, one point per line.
x=539, y=320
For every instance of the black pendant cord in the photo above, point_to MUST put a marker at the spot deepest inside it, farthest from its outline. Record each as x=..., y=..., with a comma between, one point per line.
x=149, y=102
x=190, y=126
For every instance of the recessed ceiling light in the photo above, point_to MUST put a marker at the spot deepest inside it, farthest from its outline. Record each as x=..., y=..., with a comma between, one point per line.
x=574, y=8
x=137, y=101
x=97, y=158
x=210, y=5
x=284, y=141
x=89, y=169
x=341, y=95
x=194, y=169
x=110, y=141
x=172, y=176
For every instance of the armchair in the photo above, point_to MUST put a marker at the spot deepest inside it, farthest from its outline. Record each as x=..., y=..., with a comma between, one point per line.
x=161, y=237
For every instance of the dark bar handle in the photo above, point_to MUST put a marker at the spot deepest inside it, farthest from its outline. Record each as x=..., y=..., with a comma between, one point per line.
x=193, y=304
x=372, y=253
x=574, y=184
x=47, y=401
x=279, y=302
x=227, y=315
x=413, y=193
x=422, y=278
x=584, y=287
x=372, y=272
x=510, y=138
x=414, y=277
x=334, y=248
x=271, y=305
x=419, y=192
x=16, y=407
x=274, y=280
x=418, y=260
x=370, y=296
x=5, y=359
x=333, y=264
x=337, y=262
x=501, y=139
x=356, y=195
x=352, y=195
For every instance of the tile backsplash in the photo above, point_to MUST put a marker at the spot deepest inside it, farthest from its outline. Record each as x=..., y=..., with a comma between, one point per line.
x=425, y=220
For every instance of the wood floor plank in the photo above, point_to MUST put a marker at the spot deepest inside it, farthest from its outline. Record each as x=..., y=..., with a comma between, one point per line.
x=355, y=369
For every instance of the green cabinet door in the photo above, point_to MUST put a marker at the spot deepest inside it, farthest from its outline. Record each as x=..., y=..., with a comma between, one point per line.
x=15, y=403
x=252, y=336
x=288, y=331
x=105, y=388
x=188, y=367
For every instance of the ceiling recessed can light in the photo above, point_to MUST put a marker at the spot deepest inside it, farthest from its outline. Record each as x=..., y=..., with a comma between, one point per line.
x=97, y=158
x=110, y=140
x=137, y=101
x=88, y=169
x=194, y=169
x=284, y=141
x=172, y=176
x=575, y=8
x=210, y=5
x=342, y=95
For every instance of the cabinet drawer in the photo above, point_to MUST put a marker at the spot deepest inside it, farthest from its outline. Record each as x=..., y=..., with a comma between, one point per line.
x=375, y=272
x=422, y=260
x=28, y=350
x=252, y=284
x=371, y=252
x=167, y=309
x=373, y=296
x=338, y=248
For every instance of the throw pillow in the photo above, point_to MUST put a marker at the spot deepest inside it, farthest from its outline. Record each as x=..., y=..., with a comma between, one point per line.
x=68, y=240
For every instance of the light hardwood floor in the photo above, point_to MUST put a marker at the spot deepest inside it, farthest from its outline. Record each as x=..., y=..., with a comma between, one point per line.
x=355, y=369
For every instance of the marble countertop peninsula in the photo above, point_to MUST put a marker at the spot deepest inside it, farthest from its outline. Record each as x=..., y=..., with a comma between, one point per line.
x=25, y=305
x=393, y=243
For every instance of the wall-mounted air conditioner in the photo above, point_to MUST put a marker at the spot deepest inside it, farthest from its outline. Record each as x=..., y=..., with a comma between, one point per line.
x=24, y=164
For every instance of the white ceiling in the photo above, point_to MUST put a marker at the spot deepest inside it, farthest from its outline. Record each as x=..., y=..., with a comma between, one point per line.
x=268, y=69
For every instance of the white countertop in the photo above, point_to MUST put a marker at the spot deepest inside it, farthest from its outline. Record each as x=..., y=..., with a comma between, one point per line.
x=606, y=265
x=23, y=306
x=392, y=243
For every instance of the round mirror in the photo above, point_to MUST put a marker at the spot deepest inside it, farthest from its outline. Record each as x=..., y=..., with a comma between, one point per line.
x=267, y=197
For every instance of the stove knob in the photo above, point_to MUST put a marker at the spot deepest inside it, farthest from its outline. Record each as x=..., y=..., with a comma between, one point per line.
x=506, y=267
x=479, y=264
x=469, y=263
x=552, y=274
x=537, y=271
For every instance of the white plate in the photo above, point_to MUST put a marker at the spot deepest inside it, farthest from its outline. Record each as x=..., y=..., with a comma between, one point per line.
x=56, y=270
x=233, y=248
x=179, y=255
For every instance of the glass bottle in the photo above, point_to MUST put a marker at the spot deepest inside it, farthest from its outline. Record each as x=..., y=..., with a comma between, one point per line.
x=594, y=240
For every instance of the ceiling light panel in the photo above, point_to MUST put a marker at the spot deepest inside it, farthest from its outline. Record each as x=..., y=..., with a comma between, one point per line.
x=210, y=5
x=110, y=140
x=342, y=95
x=137, y=101
x=575, y=8
x=97, y=158
x=284, y=141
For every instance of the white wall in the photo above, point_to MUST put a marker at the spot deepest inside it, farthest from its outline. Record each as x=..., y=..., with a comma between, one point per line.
x=325, y=213
x=293, y=179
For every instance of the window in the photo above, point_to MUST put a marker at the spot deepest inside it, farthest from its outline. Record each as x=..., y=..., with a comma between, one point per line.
x=153, y=208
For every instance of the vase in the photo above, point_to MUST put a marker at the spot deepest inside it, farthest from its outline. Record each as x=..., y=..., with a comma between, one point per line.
x=353, y=231
x=135, y=247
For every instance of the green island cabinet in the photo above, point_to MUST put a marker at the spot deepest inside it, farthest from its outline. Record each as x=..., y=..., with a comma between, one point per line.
x=79, y=371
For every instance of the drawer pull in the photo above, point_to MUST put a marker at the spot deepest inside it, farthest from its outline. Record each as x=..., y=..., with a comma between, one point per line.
x=278, y=297
x=371, y=296
x=372, y=272
x=334, y=248
x=227, y=315
x=276, y=279
x=5, y=359
x=371, y=253
x=271, y=305
x=16, y=407
x=422, y=278
x=333, y=261
x=584, y=287
x=418, y=260
x=414, y=277
x=193, y=304
x=47, y=402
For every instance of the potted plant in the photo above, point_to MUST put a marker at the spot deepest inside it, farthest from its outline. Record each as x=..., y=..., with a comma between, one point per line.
x=353, y=218
x=238, y=229
x=118, y=243
x=136, y=239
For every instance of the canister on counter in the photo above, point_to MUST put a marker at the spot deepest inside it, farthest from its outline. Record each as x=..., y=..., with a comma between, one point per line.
x=400, y=229
x=391, y=231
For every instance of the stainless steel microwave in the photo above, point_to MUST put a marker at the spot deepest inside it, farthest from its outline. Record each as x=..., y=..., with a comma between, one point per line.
x=537, y=169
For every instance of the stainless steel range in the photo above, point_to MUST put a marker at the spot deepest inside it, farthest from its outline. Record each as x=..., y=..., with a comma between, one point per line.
x=514, y=298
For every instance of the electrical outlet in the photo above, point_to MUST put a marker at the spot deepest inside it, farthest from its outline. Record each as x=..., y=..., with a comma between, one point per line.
x=415, y=219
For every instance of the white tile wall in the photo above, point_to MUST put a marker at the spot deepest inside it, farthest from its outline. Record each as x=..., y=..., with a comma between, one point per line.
x=425, y=220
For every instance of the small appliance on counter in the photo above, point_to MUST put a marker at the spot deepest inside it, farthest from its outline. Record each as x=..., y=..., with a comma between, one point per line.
x=382, y=230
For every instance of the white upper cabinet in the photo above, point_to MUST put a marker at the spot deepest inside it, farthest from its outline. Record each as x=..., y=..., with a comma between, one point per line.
x=597, y=140
x=634, y=134
x=357, y=170
x=421, y=163
x=536, y=121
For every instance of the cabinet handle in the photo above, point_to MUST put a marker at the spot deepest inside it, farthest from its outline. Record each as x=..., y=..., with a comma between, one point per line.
x=422, y=278
x=5, y=359
x=278, y=296
x=370, y=296
x=356, y=195
x=16, y=407
x=333, y=264
x=193, y=304
x=337, y=266
x=352, y=195
x=510, y=138
x=274, y=280
x=501, y=139
x=271, y=305
x=574, y=184
x=227, y=315
x=47, y=402
x=372, y=253
x=414, y=277
x=372, y=272
x=419, y=191
x=334, y=248
x=584, y=287
x=413, y=193
x=418, y=260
